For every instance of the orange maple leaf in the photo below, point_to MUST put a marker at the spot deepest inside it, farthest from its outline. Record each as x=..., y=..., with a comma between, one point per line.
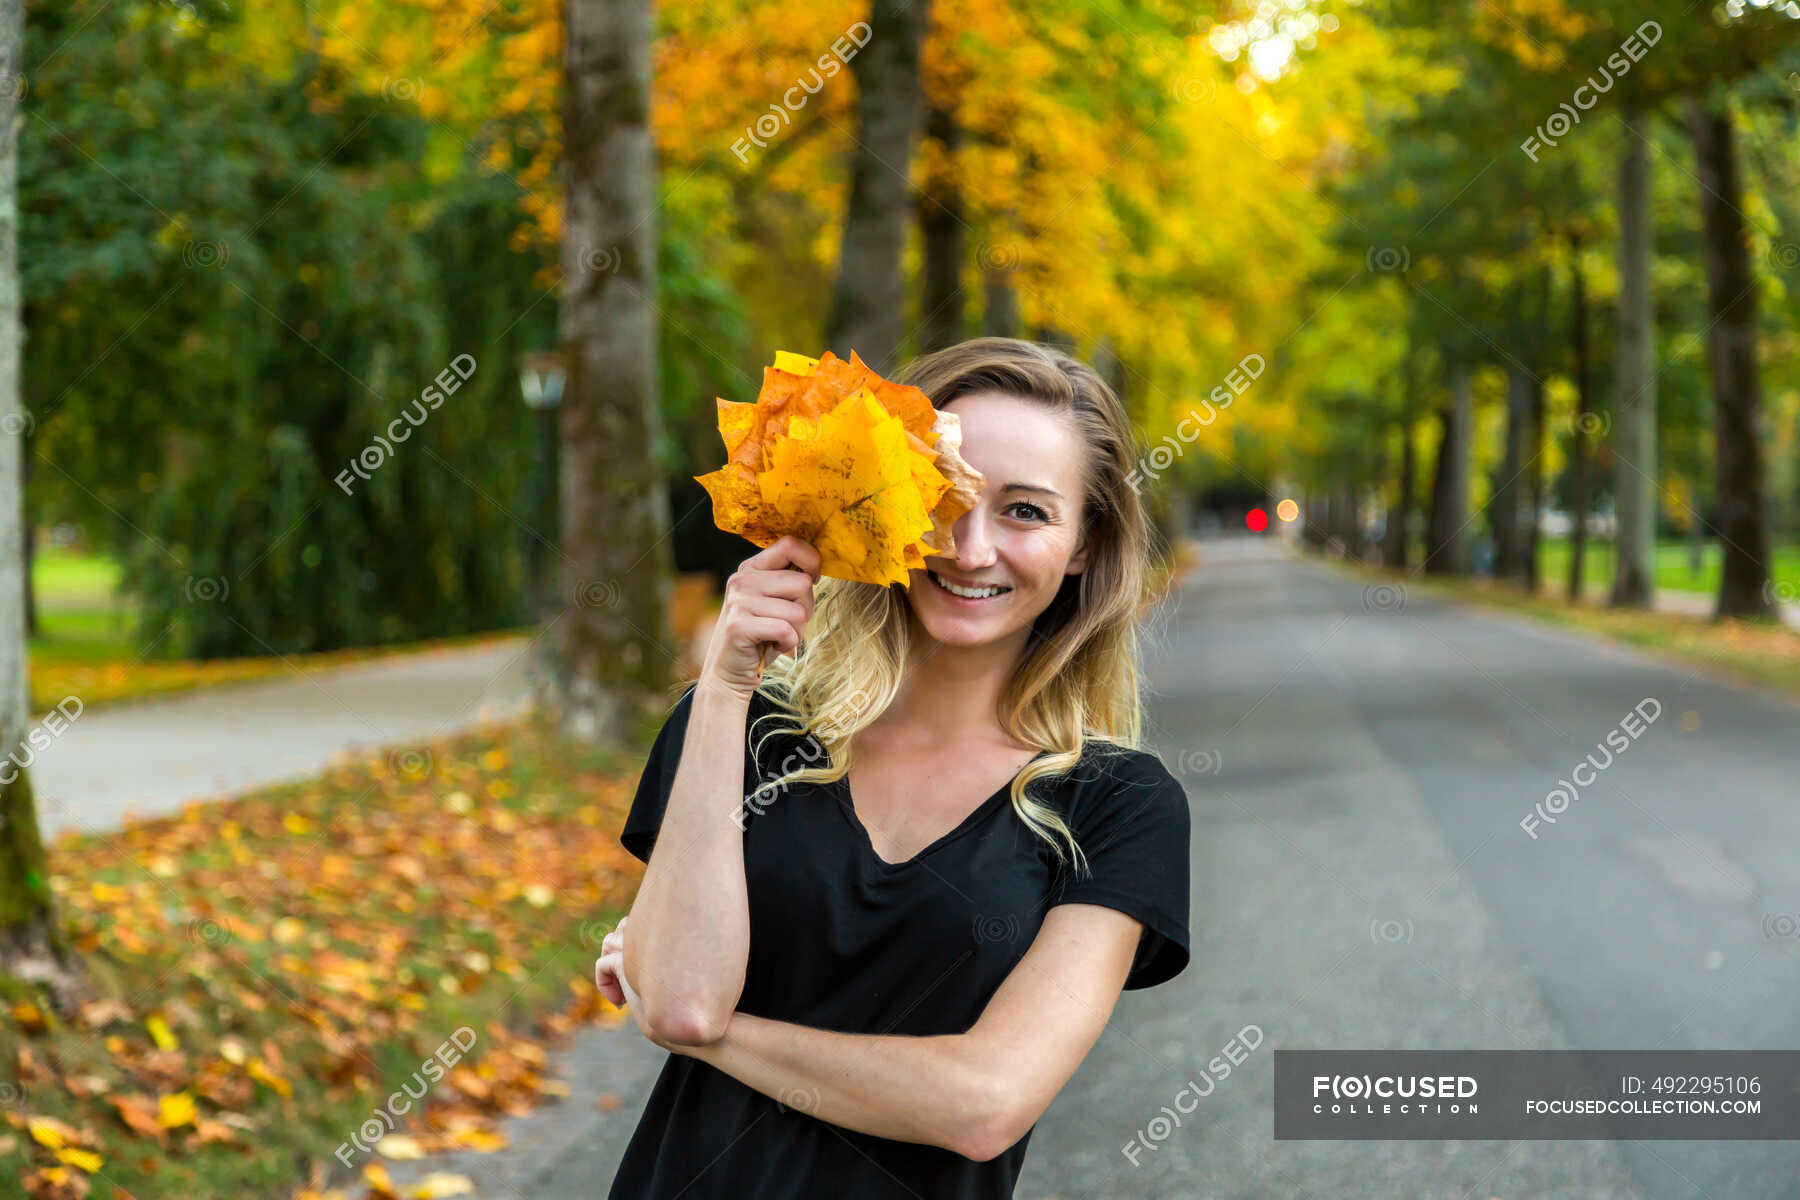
x=863, y=468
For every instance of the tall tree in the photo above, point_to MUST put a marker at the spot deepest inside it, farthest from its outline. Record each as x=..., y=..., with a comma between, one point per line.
x=1634, y=411
x=31, y=945
x=612, y=647
x=1446, y=541
x=870, y=296
x=1509, y=532
x=941, y=224
x=1583, y=423
x=1731, y=350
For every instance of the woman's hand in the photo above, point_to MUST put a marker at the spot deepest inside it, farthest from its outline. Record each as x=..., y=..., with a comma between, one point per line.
x=768, y=601
x=609, y=969
x=609, y=977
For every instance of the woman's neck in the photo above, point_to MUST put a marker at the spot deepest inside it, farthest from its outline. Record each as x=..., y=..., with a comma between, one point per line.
x=950, y=692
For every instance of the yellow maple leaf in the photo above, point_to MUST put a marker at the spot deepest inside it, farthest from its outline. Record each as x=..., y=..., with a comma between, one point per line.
x=176, y=1109
x=160, y=1033
x=381, y=1185
x=49, y=1133
x=85, y=1160
x=832, y=453
x=846, y=484
x=399, y=1146
x=262, y=1074
x=441, y=1183
x=487, y=1141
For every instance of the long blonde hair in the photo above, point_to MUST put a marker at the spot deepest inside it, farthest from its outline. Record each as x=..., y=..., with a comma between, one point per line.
x=1078, y=677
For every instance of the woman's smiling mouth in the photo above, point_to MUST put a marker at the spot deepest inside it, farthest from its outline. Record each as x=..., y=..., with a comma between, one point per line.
x=968, y=595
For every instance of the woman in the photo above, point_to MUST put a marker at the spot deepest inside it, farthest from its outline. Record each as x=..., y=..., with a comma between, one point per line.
x=902, y=879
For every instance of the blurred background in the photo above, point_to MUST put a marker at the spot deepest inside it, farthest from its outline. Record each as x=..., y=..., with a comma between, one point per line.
x=360, y=358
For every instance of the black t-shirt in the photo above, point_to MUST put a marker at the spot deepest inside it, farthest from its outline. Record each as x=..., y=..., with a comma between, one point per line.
x=841, y=940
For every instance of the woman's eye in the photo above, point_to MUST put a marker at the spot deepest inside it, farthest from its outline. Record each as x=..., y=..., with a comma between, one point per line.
x=1029, y=506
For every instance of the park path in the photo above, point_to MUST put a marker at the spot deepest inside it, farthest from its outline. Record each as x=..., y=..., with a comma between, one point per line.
x=1689, y=604
x=154, y=756
x=1358, y=760
x=1701, y=604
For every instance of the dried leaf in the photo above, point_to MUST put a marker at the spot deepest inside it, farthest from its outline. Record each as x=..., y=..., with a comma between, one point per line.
x=160, y=1033
x=381, y=1186
x=830, y=452
x=30, y=1017
x=51, y=1133
x=140, y=1115
x=82, y=1160
x=267, y=1078
x=176, y=1110
x=400, y=1147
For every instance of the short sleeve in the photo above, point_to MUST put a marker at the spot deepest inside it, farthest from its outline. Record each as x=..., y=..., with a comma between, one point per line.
x=658, y=777
x=1135, y=830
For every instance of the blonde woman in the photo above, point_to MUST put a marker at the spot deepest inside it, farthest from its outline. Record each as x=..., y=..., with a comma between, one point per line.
x=899, y=882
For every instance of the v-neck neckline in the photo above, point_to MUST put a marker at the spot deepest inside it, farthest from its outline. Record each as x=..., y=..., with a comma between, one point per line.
x=847, y=803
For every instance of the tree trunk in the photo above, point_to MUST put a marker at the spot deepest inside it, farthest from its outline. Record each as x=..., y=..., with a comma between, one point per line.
x=941, y=230
x=1446, y=550
x=1313, y=532
x=32, y=948
x=1586, y=422
x=1731, y=345
x=1395, y=551
x=1109, y=366
x=30, y=531
x=613, y=651
x=870, y=296
x=1634, y=430
x=1000, y=313
x=1532, y=482
x=1509, y=548
x=1350, y=527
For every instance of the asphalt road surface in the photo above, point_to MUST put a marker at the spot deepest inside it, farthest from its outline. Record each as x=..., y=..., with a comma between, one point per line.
x=1358, y=762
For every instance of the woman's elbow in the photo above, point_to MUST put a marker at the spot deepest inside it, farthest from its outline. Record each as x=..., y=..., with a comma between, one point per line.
x=685, y=1023
x=989, y=1126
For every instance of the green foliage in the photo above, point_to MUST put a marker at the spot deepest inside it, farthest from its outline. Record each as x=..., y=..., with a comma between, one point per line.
x=234, y=285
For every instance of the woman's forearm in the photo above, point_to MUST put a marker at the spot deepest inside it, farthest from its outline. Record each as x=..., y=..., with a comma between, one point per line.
x=909, y=1089
x=690, y=922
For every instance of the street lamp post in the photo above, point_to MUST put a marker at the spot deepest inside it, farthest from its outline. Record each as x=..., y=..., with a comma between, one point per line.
x=541, y=382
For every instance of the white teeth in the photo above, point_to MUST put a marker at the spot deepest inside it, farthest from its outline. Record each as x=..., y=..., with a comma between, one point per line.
x=970, y=593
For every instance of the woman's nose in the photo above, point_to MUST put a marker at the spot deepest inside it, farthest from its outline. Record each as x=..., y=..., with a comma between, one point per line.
x=974, y=547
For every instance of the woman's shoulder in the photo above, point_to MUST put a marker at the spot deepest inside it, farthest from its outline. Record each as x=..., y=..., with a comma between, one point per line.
x=1110, y=775
x=1116, y=761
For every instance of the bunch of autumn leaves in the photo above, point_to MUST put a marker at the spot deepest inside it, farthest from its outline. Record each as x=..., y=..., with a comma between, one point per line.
x=863, y=468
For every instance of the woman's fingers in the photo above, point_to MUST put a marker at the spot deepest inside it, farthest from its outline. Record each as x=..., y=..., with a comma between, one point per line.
x=609, y=968
x=608, y=976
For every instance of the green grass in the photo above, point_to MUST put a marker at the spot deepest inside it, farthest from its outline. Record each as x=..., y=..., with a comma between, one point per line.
x=70, y=579
x=84, y=646
x=1672, y=565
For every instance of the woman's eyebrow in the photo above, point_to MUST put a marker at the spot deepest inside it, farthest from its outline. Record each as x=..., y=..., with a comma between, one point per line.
x=1031, y=487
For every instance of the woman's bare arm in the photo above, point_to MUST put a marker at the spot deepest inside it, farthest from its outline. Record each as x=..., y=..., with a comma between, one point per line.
x=690, y=923
x=690, y=939
x=975, y=1093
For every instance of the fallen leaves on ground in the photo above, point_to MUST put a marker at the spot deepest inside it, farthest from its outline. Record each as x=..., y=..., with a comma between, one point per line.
x=282, y=964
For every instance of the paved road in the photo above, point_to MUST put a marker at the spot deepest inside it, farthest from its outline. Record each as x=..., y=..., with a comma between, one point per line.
x=1358, y=763
x=157, y=755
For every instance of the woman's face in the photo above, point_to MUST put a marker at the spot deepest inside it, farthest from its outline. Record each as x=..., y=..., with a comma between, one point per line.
x=1023, y=535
